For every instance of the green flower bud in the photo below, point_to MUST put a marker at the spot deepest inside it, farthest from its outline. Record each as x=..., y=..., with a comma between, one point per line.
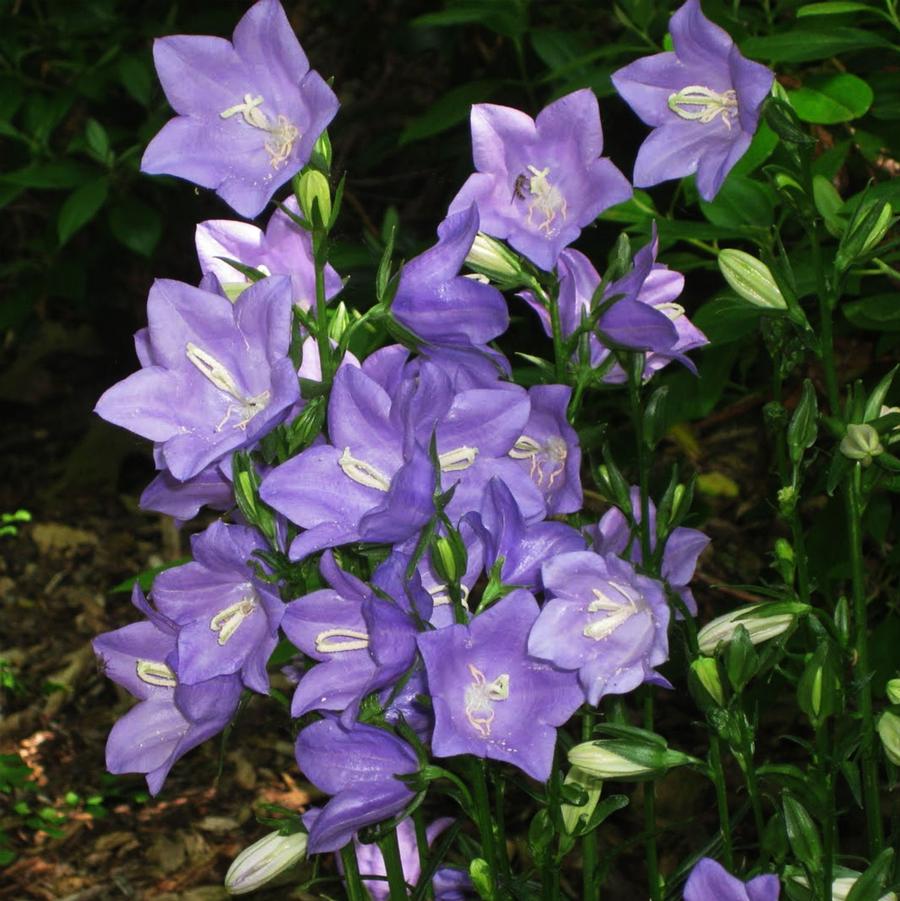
x=751, y=279
x=494, y=259
x=313, y=188
x=892, y=690
x=615, y=758
x=840, y=888
x=760, y=627
x=865, y=231
x=264, y=860
x=888, y=727
x=861, y=443
x=572, y=814
x=705, y=684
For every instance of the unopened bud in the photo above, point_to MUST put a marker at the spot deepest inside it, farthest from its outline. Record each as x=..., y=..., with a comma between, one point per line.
x=865, y=231
x=494, y=259
x=759, y=626
x=592, y=786
x=313, y=190
x=841, y=887
x=861, y=443
x=615, y=758
x=751, y=279
x=787, y=501
x=889, y=732
x=445, y=559
x=892, y=689
x=264, y=860
x=707, y=686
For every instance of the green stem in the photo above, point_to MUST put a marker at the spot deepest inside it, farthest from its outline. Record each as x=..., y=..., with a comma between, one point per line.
x=650, y=812
x=355, y=889
x=550, y=879
x=320, y=256
x=718, y=773
x=749, y=770
x=823, y=752
x=637, y=417
x=871, y=795
x=482, y=812
x=393, y=865
x=559, y=361
x=799, y=541
x=422, y=844
x=500, y=822
x=591, y=887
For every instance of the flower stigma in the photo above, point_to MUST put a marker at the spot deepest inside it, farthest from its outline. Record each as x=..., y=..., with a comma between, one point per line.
x=333, y=641
x=283, y=133
x=156, y=673
x=547, y=199
x=457, y=459
x=480, y=698
x=617, y=613
x=697, y=103
x=226, y=621
x=363, y=473
x=554, y=452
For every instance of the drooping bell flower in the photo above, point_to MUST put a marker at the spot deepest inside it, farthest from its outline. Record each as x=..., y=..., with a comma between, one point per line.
x=227, y=617
x=540, y=181
x=491, y=699
x=710, y=881
x=702, y=100
x=358, y=765
x=211, y=487
x=282, y=249
x=215, y=376
x=249, y=110
x=612, y=535
x=604, y=620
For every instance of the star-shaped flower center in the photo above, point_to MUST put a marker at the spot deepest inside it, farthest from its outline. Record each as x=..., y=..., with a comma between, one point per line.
x=697, y=103
x=546, y=199
x=282, y=133
x=548, y=460
x=480, y=698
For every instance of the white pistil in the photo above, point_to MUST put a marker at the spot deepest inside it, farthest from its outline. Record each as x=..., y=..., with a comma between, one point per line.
x=221, y=378
x=554, y=451
x=698, y=103
x=480, y=698
x=333, y=641
x=672, y=310
x=363, y=473
x=156, y=673
x=547, y=199
x=617, y=612
x=226, y=621
x=440, y=595
x=457, y=459
x=282, y=134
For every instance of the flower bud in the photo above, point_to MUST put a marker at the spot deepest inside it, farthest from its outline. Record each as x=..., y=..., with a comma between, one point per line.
x=760, y=627
x=615, y=758
x=865, y=231
x=572, y=814
x=494, y=259
x=840, y=888
x=751, y=279
x=705, y=684
x=264, y=860
x=893, y=691
x=313, y=189
x=888, y=727
x=861, y=443
x=449, y=558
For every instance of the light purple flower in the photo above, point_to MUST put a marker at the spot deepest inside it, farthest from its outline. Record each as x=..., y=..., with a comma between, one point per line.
x=603, y=620
x=612, y=535
x=211, y=487
x=491, y=699
x=710, y=881
x=540, y=181
x=703, y=101
x=215, y=375
x=282, y=249
x=227, y=617
x=358, y=766
x=249, y=110
x=449, y=882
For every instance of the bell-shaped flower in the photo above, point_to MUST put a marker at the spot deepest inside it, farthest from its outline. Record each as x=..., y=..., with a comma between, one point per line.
x=540, y=181
x=710, y=881
x=702, y=100
x=216, y=375
x=211, y=487
x=439, y=305
x=249, y=110
x=358, y=765
x=282, y=249
x=171, y=719
x=227, y=617
x=603, y=620
x=613, y=535
x=491, y=699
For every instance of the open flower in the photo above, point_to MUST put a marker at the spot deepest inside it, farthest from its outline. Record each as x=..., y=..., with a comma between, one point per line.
x=703, y=101
x=540, y=181
x=710, y=881
x=249, y=110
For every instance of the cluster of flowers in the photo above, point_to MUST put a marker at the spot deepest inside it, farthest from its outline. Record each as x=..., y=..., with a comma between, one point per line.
x=486, y=620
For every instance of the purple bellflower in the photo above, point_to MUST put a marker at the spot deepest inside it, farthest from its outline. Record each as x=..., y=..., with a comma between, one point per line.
x=603, y=620
x=540, y=181
x=282, y=249
x=227, y=617
x=215, y=376
x=211, y=487
x=710, y=881
x=358, y=766
x=612, y=535
x=491, y=699
x=171, y=719
x=449, y=883
x=249, y=110
x=703, y=101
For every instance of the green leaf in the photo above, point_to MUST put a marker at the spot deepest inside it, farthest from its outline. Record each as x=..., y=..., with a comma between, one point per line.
x=802, y=833
x=136, y=78
x=80, y=207
x=135, y=224
x=557, y=50
x=726, y=319
x=869, y=886
x=804, y=424
x=506, y=17
x=806, y=44
x=828, y=203
x=878, y=313
x=760, y=149
x=61, y=174
x=833, y=8
x=97, y=140
x=450, y=110
x=829, y=99
x=741, y=201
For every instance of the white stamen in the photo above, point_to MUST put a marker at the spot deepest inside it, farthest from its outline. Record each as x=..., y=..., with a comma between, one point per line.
x=548, y=199
x=349, y=640
x=156, y=673
x=457, y=459
x=480, y=697
x=440, y=595
x=697, y=103
x=524, y=448
x=554, y=450
x=226, y=621
x=282, y=134
x=672, y=310
x=617, y=613
x=363, y=473
x=249, y=109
